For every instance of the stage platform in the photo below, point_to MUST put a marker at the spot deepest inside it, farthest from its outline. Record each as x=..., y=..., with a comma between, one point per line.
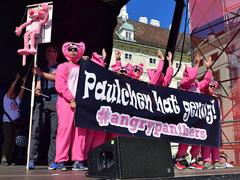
x=41, y=173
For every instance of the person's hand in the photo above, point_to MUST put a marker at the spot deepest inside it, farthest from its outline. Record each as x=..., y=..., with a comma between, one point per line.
x=197, y=59
x=24, y=80
x=38, y=92
x=208, y=62
x=117, y=55
x=18, y=31
x=159, y=54
x=104, y=54
x=169, y=58
x=85, y=57
x=73, y=104
x=37, y=71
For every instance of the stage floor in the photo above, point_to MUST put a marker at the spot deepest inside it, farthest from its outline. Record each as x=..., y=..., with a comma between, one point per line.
x=42, y=173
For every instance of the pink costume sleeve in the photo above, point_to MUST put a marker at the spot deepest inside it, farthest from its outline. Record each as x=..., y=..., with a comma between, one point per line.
x=168, y=77
x=189, y=76
x=208, y=77
x=117, y=66
x=154, y=75
x=61, y=82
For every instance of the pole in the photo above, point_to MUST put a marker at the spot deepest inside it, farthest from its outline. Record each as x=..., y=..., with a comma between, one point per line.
x=41, y=94
x=31, y=112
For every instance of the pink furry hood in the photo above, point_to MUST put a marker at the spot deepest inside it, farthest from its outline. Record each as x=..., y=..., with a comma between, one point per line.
x=117, y=66
x=136, y=71
x=80, y=46
x=190, y=72
x=98, y=59
x=155, y=75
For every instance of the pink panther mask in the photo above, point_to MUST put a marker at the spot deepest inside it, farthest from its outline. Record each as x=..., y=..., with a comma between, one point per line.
x=80, y=50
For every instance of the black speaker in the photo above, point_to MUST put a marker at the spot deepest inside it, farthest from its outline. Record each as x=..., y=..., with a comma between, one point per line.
x=131, y=157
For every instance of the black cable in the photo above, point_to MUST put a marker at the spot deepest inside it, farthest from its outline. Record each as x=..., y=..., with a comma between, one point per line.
x=184, y=37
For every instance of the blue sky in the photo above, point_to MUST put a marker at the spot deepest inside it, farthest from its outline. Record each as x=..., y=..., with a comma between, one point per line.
x=161, y=10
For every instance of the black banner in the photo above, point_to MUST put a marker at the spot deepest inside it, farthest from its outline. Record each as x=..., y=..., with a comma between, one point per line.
x=115, y=103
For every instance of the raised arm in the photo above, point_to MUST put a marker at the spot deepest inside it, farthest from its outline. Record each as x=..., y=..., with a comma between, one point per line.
x=160, y=54
x=117, y=66
x=39, y=72
x=208, y=77
x=169, y=73
x=45, y=9
x=190, y=74
x=12, y=86
x=20, y=94
x=18, y=30
x=156, y=74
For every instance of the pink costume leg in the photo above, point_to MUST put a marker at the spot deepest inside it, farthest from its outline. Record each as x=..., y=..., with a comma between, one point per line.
x=206, y=153
x=64, y=131
x=33, y=43
x=93, y=139
x=99, y=138
x=195, y=150
x=89, y=141
x=26, y=40
x=78, y=143
x=182, y=150
x=25, y=50
x=215, y=154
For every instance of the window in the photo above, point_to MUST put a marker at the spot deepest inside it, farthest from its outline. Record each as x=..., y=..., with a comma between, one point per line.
x=177, y=65
x=128, y=56
x=152, y=60
x=128, y=34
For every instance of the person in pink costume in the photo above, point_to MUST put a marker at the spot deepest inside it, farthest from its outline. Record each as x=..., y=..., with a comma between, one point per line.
x=189, y=83
x=133, y=71
x=39, y=17
x=118, y=65
x=136, y=71
x=96, y=138
x=211, y=155
x=129, y=70
x=69, y=136
x=156, y=76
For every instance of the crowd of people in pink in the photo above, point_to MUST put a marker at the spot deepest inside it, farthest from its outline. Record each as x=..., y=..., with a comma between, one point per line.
x=70, y=143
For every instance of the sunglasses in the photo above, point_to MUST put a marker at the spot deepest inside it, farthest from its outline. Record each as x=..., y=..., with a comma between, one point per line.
x=123, y=71
x=136, y=70
x=212, y=86
x=74, y=49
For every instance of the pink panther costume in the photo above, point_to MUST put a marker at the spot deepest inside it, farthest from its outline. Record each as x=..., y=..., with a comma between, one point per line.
x=133, y=71
x=210, y=154
x=156, y=76
x=96, y=138
x=66, y=85
x=188, y=83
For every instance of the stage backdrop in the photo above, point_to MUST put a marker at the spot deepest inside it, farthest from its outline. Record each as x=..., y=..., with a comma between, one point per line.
x=110, y=102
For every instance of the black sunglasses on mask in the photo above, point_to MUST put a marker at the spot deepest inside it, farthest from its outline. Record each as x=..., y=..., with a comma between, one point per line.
x=74, y=49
